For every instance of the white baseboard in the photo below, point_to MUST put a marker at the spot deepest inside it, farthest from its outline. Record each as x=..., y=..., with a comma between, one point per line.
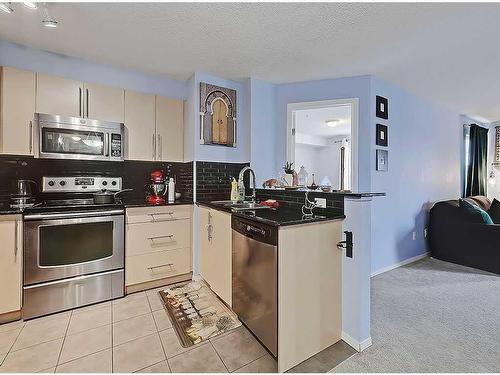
x=399, y=264
x=358, y=346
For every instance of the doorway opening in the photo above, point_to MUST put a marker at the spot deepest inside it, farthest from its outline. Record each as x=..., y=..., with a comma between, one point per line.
x=323, y=142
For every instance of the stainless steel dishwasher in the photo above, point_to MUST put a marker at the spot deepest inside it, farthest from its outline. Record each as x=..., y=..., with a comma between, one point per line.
x=255, y=278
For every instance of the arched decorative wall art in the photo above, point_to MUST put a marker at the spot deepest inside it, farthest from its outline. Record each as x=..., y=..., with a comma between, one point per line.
x=217, y=115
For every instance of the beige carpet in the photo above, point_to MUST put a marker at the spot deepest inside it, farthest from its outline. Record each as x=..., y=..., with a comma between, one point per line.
x=432, y=316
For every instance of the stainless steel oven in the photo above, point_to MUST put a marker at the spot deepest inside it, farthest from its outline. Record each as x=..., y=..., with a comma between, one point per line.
x=72, y=258
x=60, y=137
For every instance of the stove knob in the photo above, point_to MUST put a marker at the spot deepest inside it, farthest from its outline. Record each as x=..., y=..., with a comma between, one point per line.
x=113, y=183
x=62, y=183
x=51, y=183
x=104, y=183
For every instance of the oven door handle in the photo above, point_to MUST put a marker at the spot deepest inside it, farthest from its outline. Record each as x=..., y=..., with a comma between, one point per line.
x=72, y=215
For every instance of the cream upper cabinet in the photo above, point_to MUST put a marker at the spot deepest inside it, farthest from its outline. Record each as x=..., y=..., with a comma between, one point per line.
x=140, y=125
x=169, y=129
x=17, y=93
x=11, y=263
x=104, y=103
x=215, y=241
x=59, y=96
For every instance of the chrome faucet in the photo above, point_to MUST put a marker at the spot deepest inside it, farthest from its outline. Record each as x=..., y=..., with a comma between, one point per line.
x=240, y=180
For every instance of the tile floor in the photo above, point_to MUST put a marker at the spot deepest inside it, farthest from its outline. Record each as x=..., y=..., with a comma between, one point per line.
x=134, y=334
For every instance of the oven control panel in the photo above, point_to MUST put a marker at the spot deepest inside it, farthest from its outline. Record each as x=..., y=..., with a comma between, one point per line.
x=81, y=184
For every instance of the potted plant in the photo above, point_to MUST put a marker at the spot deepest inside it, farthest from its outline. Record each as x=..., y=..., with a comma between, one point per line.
x=288, y=177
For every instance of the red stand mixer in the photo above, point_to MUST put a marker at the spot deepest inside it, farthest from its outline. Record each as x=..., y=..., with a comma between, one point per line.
x=157, y=188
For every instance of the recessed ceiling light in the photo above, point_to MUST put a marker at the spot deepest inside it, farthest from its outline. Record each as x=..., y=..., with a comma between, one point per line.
x=332, y=123
x=30, y=5
x=49, y=23
x=6, y=7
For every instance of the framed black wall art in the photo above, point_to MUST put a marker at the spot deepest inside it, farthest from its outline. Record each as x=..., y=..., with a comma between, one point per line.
x=381, y=139
x=382, y=160
x=382, y=107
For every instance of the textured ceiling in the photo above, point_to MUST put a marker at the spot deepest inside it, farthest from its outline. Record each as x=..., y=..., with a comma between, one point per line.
x=446, y=52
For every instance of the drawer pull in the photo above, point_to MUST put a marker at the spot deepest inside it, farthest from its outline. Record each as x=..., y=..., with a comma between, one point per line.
x=160, y=237
x=153, y=216
x=161, y=265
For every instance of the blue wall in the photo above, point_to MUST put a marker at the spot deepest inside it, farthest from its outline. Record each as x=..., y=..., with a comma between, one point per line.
x=263, y=125
x=23, y=57
x=341, y=88
x=196, y=151
x=425, y=143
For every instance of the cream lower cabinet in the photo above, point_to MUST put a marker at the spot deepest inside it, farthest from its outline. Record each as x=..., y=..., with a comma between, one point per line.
x=17, y=107
x=215, y=241
x=11, y=260
x=309, y=291
x=157, y=246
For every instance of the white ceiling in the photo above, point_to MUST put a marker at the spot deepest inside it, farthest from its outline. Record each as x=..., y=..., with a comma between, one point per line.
x=312, y=121
x=447, y=52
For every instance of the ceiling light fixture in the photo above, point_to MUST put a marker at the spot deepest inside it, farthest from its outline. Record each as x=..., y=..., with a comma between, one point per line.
x=48, y=21
x=6, y=7
x=30, y=5
x=332, y=123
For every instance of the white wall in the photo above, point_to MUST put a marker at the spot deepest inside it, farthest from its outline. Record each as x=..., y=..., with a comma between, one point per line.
x=493, y=190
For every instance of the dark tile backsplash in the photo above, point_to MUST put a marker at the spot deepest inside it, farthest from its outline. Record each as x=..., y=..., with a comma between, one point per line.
x=213, y=180
x=334, y=202
x=135, y=174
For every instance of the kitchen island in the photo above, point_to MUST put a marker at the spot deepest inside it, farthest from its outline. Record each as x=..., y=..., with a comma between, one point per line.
x=280, y=271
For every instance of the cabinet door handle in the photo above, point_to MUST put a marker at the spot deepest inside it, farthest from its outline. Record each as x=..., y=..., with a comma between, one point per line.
x=30, y=127
x=80, y=102
x=154, y=147
x=16, y=241
x=87, y=101
x=159, y=147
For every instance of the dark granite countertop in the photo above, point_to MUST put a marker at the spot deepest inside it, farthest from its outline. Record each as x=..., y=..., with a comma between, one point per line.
x=5, y=209
x=282, y=216
x=350, y=194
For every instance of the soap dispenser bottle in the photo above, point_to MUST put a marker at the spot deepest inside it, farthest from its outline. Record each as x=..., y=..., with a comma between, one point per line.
x=171, y=190
x=234, y=191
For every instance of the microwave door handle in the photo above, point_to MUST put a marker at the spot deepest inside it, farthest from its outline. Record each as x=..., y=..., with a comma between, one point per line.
x=106, y=144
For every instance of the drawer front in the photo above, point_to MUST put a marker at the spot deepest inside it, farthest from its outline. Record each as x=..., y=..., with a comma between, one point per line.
x=145, y=238
x=154, y=266
x=158, y=214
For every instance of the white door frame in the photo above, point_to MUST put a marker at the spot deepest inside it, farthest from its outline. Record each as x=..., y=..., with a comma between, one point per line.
x=353, y=102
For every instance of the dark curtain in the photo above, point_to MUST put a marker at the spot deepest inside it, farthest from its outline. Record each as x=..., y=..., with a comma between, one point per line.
x=477, y=169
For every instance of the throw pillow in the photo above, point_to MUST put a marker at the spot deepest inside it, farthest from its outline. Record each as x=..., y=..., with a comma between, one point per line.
x=475, y=212
x=494, y=211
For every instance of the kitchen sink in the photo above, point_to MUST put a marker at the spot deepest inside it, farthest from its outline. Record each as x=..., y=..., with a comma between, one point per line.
x=240, y=206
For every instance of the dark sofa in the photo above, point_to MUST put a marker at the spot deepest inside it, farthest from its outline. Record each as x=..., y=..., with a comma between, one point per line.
x=456, y=237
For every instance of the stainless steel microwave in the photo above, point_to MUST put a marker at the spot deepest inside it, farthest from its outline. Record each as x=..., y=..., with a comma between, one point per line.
x=60, y=137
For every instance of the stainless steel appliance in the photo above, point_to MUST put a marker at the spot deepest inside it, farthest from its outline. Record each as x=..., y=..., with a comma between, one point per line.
x=73, y=249
x=78, y=138
x=23, y=193
x=255, y=278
